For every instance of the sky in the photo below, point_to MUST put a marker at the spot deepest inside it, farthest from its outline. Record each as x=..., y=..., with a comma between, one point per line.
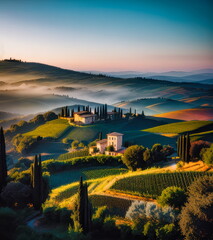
x=109, y=35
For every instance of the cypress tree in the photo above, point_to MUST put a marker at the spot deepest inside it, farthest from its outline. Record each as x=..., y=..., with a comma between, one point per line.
x=62, y=112
x=83, y=208
x=79, y=108
x=183, y=148
x=187, y=148
x=100, y=136
x=130, y=110
x=83, y=108
x=3, y=160
x=142, y=114
x=121, y=114
x=36, y=182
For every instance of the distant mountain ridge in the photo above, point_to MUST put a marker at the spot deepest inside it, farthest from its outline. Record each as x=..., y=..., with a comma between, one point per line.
x=175, y=76
x=35, y=87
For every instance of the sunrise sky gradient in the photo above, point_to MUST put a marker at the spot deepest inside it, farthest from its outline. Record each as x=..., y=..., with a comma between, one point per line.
x=108, y=35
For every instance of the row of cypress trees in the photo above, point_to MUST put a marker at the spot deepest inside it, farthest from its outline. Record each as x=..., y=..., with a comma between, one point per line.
x=65, y=112
x=100, y=111
x=183, y=147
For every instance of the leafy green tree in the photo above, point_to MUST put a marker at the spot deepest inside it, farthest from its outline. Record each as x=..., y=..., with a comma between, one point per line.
x=172, y=196
x=157, y=152
x=75, y=144
x=168, y=232
x=207, y=156
x=196, y=148
x=110, y=148
x=149, y=230
x=147, y=155
x=133, y=157
x=49, y=116
x=3, y=160
x=196, y=215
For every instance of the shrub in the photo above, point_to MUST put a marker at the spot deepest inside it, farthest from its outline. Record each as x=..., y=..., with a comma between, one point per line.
x=149, y=230
x=196, y=148
x=172, y=196
x=157, y=152
x=54, y=214
x=75, y=144
x=180, y=164
x=196, y=216
x=54, y=166
x=133, y=157
x=142, y=209
x=168, y=232
x=207, y=156
x=110, y=148
x=23, y=143
x=8, y=223
x=16, y=194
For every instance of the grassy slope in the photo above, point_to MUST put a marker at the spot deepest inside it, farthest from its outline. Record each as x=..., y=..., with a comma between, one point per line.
x=131, y=129
x=54, y=129
x=181, y=127
x=190, y=114
x=66, y=177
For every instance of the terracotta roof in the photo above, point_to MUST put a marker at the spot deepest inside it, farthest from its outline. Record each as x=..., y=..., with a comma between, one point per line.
x=114, y=134
x=88, y=115
x=102, y=141
x=82, y=112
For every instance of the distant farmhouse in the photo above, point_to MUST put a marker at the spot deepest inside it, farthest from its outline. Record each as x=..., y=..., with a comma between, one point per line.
x=112, y=145
x=85, y=116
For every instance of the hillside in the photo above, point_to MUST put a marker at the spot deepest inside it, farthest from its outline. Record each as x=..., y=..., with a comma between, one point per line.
x=154, y=105
x=34, y=87
x=203, y=114
x=61, y=132
x=183, y=127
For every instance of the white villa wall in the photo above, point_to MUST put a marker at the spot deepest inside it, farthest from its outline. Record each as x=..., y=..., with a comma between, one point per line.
x=115, y=141
x=101, y=146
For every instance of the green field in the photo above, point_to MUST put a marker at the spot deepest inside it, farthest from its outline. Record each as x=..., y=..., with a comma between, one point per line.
x=207, y=136
x=66, y=177
x=53, y=129
x=181, y=127
x=74, y=154
x=151, y=185
x=116, y=206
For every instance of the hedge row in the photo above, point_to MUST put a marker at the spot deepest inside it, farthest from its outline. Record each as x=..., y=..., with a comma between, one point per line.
x=54, y=166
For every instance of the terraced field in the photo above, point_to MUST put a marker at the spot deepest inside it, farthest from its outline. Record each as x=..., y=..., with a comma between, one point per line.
x=151, y=185
x=66, y=177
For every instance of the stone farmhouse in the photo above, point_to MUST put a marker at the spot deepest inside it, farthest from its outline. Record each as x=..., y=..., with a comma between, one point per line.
x=84, y=117
x=113, y=139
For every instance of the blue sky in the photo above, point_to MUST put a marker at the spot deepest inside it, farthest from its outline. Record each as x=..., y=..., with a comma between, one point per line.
x=146, y=35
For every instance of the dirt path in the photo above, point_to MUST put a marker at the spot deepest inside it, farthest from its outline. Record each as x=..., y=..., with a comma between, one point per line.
x=115, y=194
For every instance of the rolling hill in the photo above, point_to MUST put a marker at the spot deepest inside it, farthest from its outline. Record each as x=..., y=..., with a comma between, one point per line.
x=152, y=106
x=183, y=127
x=204, y=114
x=34, y=87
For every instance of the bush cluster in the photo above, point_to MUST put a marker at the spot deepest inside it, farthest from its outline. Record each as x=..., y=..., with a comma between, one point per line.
x=54, y=166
